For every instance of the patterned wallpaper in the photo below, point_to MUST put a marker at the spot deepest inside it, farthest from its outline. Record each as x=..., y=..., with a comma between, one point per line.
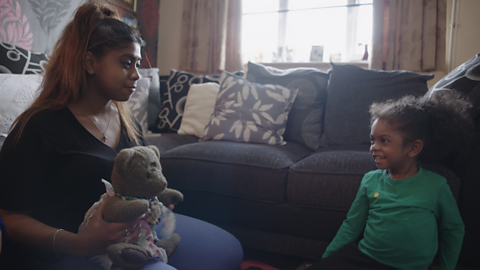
x=36, y=24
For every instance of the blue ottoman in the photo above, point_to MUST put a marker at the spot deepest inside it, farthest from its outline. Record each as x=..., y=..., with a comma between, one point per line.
x=203, y=246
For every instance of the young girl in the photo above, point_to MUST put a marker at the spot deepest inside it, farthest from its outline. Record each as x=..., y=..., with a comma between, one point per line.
x=61, y=147
x=401, y=208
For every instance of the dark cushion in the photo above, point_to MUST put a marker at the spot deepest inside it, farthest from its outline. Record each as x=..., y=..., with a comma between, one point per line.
x=329, y=178
x=305, y=121
x=246, y=170
x=465, y=79
x=174, y=96
x=167, y=141
x=16, y=60
x=352, y=90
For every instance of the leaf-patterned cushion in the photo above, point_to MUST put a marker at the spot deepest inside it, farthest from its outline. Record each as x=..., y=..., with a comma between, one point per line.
x=249, y=112
x=305, y=121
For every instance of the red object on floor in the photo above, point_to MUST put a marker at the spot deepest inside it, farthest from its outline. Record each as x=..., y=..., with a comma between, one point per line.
x=255, y=265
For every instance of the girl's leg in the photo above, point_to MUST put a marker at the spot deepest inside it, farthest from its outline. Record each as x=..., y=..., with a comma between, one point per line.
x=349, y=257
x=204, y=246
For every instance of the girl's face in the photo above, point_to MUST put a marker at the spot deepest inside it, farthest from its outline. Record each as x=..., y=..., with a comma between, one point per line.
x=387, y=148
x=116, y=73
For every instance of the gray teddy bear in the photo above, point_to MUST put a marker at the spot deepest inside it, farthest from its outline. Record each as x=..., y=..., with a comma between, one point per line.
x=139, y=190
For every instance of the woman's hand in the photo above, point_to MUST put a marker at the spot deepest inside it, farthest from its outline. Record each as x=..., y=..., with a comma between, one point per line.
x=99, y=234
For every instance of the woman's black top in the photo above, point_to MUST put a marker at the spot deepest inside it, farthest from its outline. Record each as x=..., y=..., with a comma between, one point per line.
x=55, y=169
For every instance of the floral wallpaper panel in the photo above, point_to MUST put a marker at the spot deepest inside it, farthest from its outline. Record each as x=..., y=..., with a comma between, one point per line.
x=36, y=25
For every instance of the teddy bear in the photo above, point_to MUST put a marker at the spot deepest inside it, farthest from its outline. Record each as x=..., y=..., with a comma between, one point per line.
x=138, y=189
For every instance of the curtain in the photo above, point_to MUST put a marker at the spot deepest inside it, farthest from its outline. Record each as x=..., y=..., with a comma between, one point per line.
x=408, y=35
x=210, y=37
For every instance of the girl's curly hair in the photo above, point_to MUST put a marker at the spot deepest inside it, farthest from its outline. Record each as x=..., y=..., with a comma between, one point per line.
x=442, y=122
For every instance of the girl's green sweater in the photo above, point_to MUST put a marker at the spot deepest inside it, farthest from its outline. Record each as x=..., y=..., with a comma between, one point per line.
x=402, y=221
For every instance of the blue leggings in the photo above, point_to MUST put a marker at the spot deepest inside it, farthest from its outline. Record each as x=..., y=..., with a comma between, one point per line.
x=203, y=246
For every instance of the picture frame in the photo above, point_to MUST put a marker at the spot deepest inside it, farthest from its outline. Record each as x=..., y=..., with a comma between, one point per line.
x=130, y=5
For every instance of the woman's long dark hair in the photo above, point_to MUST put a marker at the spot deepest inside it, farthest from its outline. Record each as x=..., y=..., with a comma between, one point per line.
x=96, y=28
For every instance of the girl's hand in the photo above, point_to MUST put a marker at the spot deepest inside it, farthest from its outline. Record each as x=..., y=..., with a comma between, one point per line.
x=99, y=234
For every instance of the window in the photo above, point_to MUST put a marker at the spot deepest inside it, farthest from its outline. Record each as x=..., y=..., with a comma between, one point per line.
x=275, y=31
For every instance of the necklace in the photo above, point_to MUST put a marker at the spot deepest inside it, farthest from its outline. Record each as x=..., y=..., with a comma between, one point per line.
x=104, y=137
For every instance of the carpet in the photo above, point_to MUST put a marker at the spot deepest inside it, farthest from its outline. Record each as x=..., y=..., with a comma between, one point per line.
x=255, y=265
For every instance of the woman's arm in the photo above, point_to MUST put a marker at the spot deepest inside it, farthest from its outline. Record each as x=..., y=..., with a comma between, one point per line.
x=94, y=240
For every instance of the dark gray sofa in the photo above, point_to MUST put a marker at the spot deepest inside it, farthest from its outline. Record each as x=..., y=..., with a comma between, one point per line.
x=292, y=199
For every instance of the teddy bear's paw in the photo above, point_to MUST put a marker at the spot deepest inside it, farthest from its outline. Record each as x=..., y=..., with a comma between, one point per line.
x=127, y=255
x=170, y=245
x=170, y=196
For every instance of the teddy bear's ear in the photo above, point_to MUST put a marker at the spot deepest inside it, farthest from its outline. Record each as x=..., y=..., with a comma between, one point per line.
x=155, y=149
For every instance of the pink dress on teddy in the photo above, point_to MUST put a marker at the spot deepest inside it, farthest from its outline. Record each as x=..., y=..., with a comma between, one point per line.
x=148, y=235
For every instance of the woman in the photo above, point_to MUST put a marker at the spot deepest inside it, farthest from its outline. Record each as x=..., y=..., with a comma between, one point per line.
x=61, y=147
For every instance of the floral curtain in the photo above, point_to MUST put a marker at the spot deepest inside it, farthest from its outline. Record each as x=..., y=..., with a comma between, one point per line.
x=408, y=35
x=210, y=38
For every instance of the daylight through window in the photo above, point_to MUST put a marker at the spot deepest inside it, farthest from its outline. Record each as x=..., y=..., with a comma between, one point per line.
x=306, y=30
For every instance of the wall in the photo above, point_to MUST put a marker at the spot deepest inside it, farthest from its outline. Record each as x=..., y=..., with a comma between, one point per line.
x=36, y=25
x=169, y=29
x=466, y=40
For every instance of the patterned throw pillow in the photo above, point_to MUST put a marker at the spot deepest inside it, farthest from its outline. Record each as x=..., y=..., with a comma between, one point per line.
x=305, y=121
x=175, y=96
x=138, y=102
x=465, y=79
x=16, y=60
x=249, y=112
x=17, y=92
x=352, y=90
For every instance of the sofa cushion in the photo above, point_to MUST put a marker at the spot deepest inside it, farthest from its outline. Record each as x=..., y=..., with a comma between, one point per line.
x=17, y=92
x=16, y=60
x=465, y=79
x=153, y=95
x=352, y=90
x=249, y=112
x=199, y=107
x=329, y=178
x=167, y=141
x=305, y=121
x=138, y=102
x=174, y=97
x=246, y=170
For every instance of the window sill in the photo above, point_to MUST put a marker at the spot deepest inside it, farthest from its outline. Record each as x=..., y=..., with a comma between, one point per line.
x=318, y=65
